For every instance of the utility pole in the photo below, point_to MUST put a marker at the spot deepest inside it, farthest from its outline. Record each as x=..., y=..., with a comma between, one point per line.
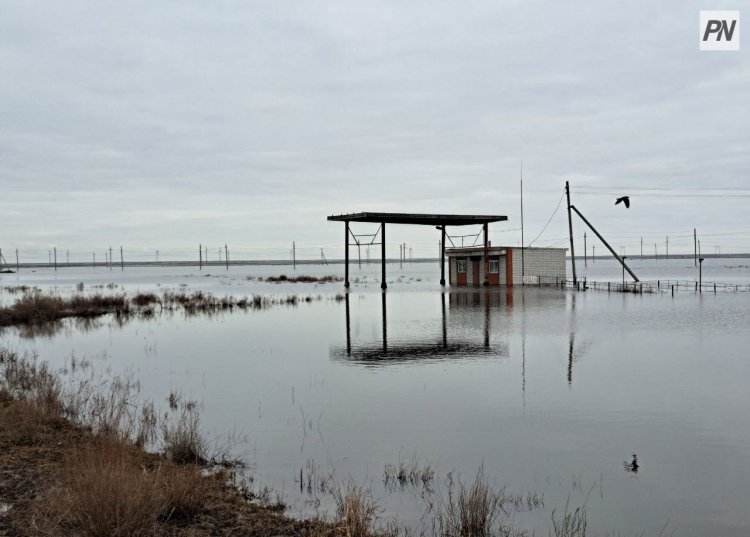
x=667, y=252
x=122, y=260
x=109, y=259
x=585, y=252
x=655, y=256
x=523, y=264
x=695, y=247
x=67, y=257
x=593, y=253
x=55, y=248
x=93, y=257
x=570, y=231
x=294, y=255
x=16, y=259
x=641, y=247
x=200, y=257
x=226, y=255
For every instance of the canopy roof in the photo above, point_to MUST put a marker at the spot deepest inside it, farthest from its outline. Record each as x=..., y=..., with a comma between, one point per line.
x=419, y=218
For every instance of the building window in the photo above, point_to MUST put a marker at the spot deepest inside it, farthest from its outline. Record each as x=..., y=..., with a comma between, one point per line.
x=494, y=266
x=461, y=264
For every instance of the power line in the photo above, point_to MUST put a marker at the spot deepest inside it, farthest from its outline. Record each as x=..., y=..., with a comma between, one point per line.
x=548, y=221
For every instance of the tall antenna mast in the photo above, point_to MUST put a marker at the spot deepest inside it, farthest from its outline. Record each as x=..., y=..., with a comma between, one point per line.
x=523, y=267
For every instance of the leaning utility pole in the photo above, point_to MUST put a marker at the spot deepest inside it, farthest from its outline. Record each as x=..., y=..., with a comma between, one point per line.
x=612, y=250
x=570, y=230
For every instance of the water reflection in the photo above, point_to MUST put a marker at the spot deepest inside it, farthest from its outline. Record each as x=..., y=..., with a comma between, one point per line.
x=472, y=311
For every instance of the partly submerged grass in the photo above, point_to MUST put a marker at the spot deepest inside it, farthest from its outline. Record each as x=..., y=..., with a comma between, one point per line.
x=36, y=308
x=283, y=278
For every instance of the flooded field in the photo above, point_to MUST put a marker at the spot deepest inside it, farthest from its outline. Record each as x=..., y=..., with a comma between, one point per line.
x=634, y=406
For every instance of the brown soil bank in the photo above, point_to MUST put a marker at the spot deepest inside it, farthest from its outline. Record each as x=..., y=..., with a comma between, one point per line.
x=66, y=470
x=57, y=478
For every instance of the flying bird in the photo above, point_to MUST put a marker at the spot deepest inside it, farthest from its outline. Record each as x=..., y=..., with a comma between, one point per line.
x=625, y=200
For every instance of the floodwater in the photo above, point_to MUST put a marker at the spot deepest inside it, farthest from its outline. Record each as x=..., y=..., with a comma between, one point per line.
x=551, y=391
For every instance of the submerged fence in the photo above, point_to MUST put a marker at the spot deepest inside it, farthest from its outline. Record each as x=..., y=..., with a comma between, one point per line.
x=652, y=286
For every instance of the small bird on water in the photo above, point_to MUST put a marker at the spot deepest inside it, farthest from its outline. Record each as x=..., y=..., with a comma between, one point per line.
x=625, y=200
x=632, y=466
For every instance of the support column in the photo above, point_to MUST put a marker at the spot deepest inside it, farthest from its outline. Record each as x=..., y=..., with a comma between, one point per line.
x=383, y=285
x=486, y=255
x=442, y=256
x=346, y=254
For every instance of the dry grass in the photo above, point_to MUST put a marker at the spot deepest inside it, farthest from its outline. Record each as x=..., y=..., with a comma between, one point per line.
x=35, y=308
x=108, y=489
x=409, y=472
x=479, y=510
x=570, y=524
x=356, y=511
x=103, y=491
x=182, y=440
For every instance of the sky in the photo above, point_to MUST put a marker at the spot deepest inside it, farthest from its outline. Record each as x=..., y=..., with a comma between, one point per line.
x=164, y=125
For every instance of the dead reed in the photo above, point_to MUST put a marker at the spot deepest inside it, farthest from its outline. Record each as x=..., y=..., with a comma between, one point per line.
x=409, y=472
x=356, y=511
x=479, y=510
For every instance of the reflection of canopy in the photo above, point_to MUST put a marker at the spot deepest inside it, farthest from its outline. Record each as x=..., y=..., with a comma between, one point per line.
x=402, y=352
x=431, y=347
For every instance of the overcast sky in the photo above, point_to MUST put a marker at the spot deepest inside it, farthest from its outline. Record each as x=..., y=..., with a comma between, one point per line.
x=161, y=125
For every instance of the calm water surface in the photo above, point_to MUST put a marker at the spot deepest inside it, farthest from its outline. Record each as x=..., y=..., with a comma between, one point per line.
x=551, y=391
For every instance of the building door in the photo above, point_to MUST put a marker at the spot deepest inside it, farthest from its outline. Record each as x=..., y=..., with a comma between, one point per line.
x=461, y=271
x=475, y=272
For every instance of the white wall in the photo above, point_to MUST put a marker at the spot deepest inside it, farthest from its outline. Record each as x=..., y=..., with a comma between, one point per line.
x=544, y=262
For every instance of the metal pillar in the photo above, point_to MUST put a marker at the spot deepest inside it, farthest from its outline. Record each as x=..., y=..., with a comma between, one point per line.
x=486, y=254
x=383, y=285
x=346, y=254
x=570, y=230
x=442, y=256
